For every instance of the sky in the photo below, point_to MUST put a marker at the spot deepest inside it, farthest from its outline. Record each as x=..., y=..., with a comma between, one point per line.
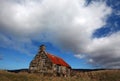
x=85, y=33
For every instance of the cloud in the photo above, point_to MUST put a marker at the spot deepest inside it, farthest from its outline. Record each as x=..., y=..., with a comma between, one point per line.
x=105, y=51
x=68, y=24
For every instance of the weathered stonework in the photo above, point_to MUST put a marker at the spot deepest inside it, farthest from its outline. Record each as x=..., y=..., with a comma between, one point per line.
x=48, y=63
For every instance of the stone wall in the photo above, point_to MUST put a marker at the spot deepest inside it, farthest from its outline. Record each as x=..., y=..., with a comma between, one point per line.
x=41, y=63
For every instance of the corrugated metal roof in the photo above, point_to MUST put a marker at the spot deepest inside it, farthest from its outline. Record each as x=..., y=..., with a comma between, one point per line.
x=57, y=60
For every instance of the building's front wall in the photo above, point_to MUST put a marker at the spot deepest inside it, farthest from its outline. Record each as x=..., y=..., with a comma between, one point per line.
x=61, y=70
x=41, y=63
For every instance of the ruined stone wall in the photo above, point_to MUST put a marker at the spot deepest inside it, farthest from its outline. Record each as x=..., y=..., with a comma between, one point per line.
x=59, y=70
x=41, y=63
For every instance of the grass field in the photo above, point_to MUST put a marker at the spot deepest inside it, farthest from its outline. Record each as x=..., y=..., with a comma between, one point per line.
x=103, y=75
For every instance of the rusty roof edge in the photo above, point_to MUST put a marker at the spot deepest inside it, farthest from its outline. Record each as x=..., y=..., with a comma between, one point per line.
x=59, y=59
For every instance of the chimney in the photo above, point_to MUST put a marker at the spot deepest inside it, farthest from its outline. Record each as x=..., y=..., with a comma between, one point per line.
x=42, y=48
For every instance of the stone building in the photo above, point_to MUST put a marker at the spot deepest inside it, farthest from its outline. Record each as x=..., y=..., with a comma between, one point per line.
x=46, y=63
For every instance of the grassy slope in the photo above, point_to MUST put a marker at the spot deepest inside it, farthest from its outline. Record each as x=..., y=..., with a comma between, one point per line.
x=104, y=75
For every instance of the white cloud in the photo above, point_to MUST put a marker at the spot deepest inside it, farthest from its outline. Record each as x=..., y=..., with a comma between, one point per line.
x=19, y=44
x=65, y=23
x=81, y=56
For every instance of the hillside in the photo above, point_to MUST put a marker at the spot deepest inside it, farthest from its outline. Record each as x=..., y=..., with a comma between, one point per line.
x=101, y=75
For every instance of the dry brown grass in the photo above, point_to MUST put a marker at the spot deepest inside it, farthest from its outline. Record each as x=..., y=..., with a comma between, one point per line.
x=103, y=75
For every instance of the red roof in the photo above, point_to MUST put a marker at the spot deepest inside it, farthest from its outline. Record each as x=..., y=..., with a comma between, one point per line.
x=57, y=60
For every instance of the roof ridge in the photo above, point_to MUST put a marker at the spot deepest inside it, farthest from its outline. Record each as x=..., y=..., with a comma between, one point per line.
x=54, y=55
